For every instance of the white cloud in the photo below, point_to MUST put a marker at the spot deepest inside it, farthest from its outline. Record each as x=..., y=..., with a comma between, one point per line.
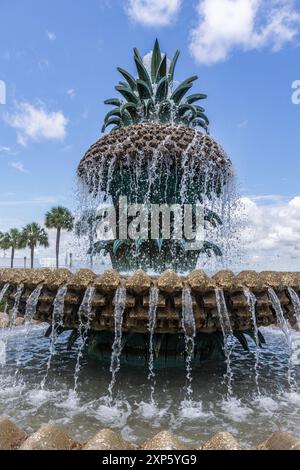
x=226, y=25
x=243, y=124
x=19, y=167
x=50, y=35
x=153, y=12
x=5, y=149
x=36, y=123
x=71, y=92
x=271, y=236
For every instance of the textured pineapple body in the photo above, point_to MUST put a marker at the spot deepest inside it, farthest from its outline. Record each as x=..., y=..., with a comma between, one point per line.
x=171, y=142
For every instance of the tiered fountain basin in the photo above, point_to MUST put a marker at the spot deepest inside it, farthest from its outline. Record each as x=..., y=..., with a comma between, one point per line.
x=169, y=304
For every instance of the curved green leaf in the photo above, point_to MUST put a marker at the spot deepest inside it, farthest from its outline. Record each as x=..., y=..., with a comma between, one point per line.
x=173, y=65
x=113, y=112
x=184, y=108
x=113, y=102
x=142, y=72
x=199, y=123
x=196, y=97
x=164, y=111
x=127, y=93
x=179, y=93
x=208, y=246
x=203, y=116
x=156, y=60
x=212, y=217
x=118, y=245
x=162, y=69
x=111, y=121
x=143, y=90
x=189, y=80
x=128, y=77
x=199, y=109
x=162, y=90
x=149, y=108
x=126, y=118
x=131, y=108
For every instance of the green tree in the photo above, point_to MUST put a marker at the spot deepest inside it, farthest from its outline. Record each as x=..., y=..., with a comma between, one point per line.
x=59, y=218
x=12, y=240
x=34, y=236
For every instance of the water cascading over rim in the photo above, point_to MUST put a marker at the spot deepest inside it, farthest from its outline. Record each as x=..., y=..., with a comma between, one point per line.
x=155, y=154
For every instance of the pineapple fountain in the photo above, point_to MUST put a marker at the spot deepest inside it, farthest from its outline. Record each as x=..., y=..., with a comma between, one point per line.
x=154, y=308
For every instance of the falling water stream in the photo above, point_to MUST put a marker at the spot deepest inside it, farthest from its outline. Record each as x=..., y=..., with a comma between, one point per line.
x=14, y=312
x=84, y=318
x=189, y=328
x=31, y=305
x=296, y=303
x=154, y=293
x=30, y=311
x=283, y=324
x=3, y=291
x=227, y=335
x=57, y=323
x=251, y=300
x=120, y=303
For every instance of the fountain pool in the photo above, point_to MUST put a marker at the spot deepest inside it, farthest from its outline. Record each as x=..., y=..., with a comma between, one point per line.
x=246, y=414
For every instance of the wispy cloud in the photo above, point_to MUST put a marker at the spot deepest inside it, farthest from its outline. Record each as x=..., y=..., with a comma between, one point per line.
x=39, y=201
x=226, y=25
x=243, y=124
x=5, y=149
x=71, y=92
x=36, y=123
x=19, y=167
x=153, y=12
x=50, y=35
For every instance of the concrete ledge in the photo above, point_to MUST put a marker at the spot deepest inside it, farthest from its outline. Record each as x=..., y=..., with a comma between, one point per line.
x=170, y=285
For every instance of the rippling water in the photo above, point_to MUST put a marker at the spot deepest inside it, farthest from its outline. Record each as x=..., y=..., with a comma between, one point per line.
x=251, y=418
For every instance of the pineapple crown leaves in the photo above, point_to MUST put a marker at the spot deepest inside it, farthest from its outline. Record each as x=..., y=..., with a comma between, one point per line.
x=152, y=97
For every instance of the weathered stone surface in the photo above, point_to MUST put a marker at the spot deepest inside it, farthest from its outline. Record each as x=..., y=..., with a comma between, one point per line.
x=4, y=320
x=280, y=441
x=107, y=440
x=139, y=283
x=221, y=441
x=169, y=282
x=14, y=276
x=164, y=440
x=20, y=321
x=35, y=277
x=225, y=279
x=83, y=279
x=272, y=279
x=56, y=278
x=199, y=281
x=108, y=282
x=10, y=435
x=290, y=280
x=48, y=437
x=250, y=279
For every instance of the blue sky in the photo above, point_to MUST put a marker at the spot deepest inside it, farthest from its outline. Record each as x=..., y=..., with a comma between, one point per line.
x=58, y=60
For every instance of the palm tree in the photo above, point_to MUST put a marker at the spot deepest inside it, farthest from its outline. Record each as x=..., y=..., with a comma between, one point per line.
x=59, y=218
x=14, y=240
x=35, y=235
